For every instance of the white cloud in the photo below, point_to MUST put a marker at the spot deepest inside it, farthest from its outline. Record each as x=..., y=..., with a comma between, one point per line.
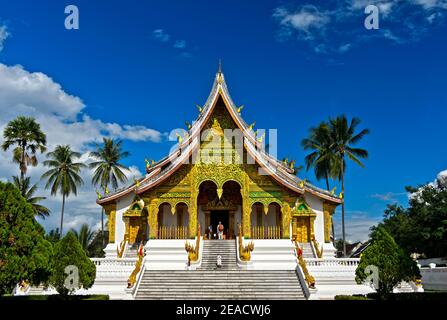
x=62, y=118
x=442, y=177
x=357, y=225
x=389, y=196
x=180, y=44
x=34, y=93
x=4, y=34
x=431, y=4
x=161, y=35
x=337, y=26
x=306, y=22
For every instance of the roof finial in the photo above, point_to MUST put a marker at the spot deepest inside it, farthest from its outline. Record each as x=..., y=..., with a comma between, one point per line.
x=220, y=66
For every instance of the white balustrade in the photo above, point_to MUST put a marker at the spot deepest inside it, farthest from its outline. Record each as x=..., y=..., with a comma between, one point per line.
x=336, y=262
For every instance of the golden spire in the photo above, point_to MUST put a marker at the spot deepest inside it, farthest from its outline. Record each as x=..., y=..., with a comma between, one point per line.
x=219, y=70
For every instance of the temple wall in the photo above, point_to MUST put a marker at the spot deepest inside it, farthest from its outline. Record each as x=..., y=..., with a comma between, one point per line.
x=237, y=219
x=201, y=219
x=121, y=206
x=317, y=206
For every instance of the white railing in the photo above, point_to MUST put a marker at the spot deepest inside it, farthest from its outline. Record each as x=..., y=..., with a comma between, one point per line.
x=339, y=262
x=113, y=262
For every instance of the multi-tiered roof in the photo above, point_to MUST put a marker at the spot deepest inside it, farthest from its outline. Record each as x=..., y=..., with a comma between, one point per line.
x=161, y=170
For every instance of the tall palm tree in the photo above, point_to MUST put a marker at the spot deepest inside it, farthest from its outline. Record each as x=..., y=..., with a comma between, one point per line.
x=63, y=176
x=344, y=137
x=107, y=168
x=321, y=157
x=84, y=236
x=25, y=134
x=28, y=193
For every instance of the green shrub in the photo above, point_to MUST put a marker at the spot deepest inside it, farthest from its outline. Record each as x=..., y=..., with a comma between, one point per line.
x=68, y=252
x=394, y=264
x=25, y=254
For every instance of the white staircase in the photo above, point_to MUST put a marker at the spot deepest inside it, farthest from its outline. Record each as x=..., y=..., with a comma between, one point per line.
x=308, y=251
x=226, y=249
x=228, y=282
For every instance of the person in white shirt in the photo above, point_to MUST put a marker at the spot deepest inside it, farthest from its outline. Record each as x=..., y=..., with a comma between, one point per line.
x=220, y=230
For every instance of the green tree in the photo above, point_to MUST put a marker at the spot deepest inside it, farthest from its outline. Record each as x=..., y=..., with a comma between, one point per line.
x=95, y=248
x=107, y=167
x=28, y=193
x=25, y=134
x=394, y=264
x=321, y=159
x=84, y=236
x=63, y=176
x=68, y=252
x=25, y=254
x=53, y=236
x=422, y=226
x=343, y=139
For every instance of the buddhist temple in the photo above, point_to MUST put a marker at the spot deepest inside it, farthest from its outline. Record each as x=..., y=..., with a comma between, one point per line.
x=221, y=209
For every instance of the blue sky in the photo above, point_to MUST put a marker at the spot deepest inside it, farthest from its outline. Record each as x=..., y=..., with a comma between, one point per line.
x=136, y=69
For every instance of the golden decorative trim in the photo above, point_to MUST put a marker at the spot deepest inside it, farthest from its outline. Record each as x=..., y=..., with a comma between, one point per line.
x=245, y=251
x=120, y=249
x=193, y=251
x=133, y=276
x=310, y=280
x=317, y=248
x=328, y=211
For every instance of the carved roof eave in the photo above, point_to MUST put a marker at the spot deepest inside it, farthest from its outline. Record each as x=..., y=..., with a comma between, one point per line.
x=185, y=149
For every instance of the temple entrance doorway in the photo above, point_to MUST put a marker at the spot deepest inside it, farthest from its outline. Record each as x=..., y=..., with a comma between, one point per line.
x=222, y=216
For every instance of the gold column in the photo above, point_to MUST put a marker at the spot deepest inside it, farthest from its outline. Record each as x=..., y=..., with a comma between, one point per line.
x=328, y=211
x=152, y=210
x=285, y=223
x=193, y=213
x=312, y=228
x=110, y=211
x=246, y=207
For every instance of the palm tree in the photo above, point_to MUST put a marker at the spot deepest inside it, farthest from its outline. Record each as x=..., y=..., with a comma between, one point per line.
x=321, y=157
x=343, y=138
x=107, y=168
x=28, y=193
x=63, y=176
x=25, y=133
x=84, y=236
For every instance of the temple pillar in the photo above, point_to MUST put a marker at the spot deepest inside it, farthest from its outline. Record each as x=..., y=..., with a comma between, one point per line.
x=312, y=227
x=152, y=210
x=329, y=250
x=193, y=213
x=111, y=249
x=286, y=218
x=110, y=211
x=328, y=211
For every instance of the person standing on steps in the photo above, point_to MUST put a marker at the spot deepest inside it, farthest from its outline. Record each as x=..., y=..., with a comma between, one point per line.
x=210, y=232
x=220, y=230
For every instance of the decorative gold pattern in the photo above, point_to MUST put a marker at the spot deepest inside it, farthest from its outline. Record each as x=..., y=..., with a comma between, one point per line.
x=245, y=251
x=110, y=211
x=309, y=279
x=328, y=211
x=133, y=276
